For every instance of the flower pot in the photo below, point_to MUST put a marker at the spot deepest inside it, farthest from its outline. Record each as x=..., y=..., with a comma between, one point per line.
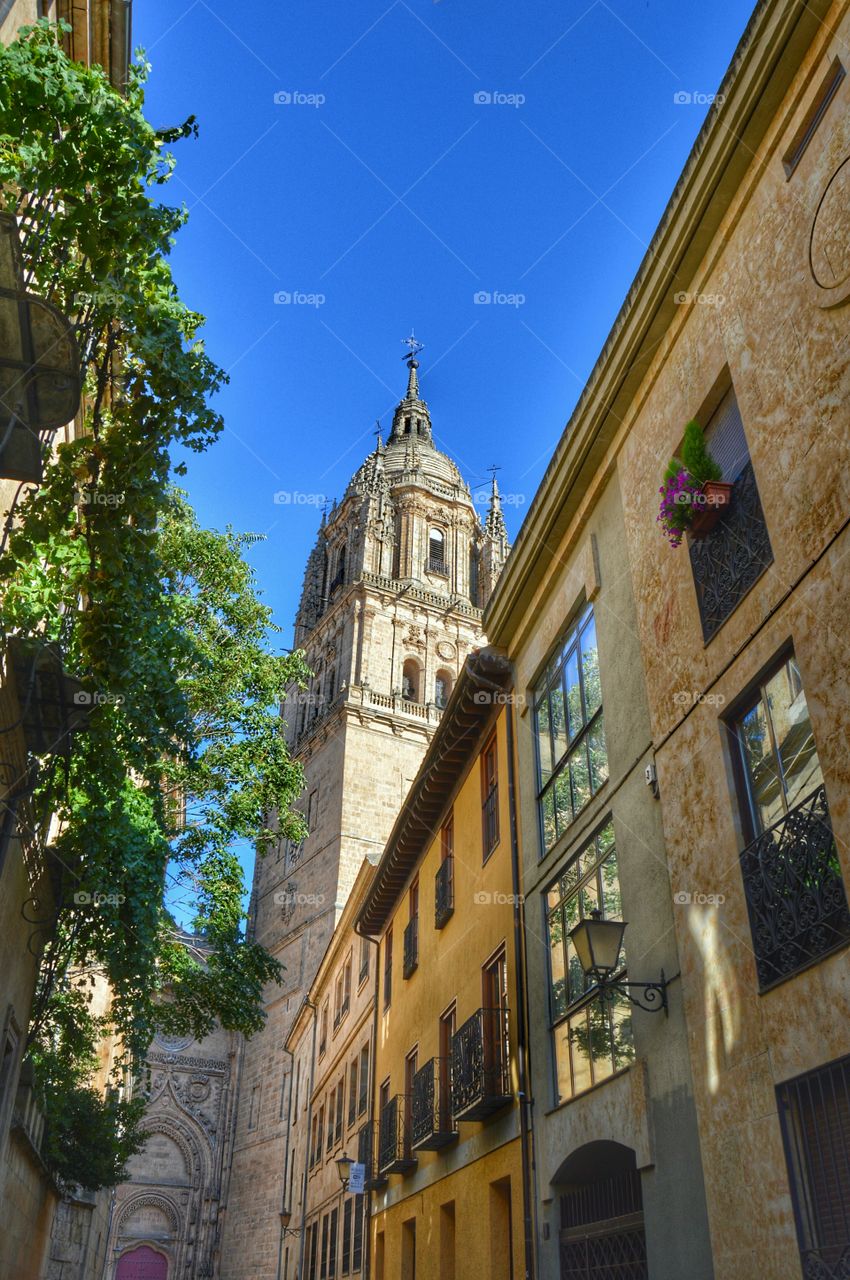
x=715, y=497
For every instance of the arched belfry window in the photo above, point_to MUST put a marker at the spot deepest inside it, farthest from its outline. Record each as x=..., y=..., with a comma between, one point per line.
x=410, y=680
x=437, y=551
x=339, y=576
x=442, y=688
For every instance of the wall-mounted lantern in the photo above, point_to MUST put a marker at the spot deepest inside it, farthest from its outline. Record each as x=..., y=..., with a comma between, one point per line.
x=598, y=944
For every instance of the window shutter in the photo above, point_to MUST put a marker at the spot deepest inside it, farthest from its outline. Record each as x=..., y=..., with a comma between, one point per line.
x=725, y=437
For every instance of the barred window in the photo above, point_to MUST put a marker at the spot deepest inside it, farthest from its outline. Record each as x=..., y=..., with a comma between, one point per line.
x=572, y=760
x=592, y=1037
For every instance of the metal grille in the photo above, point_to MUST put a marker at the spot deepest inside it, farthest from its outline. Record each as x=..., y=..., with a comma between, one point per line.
x=480, y=1081
x=394, y=1153
x=491, y=820
x=815, y=1114
x=431, y=1111
x=411, y=946
x=436, y=564
x=602, y=1233
x=728, y=561
x=795, y=892
x=444, y=892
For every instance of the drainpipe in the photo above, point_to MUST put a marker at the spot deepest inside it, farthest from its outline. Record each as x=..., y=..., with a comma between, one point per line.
x=525, y=1102
x=286, y=1159
x=303, y=1241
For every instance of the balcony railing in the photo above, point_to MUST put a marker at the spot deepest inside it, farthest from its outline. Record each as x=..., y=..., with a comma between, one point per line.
x=366, y=1155
x=436, y=564
x=795, y=892
x=728, y=560
x=480, y=1062
x=394, y=1150
x=431, y=1110
x=444, y=892
x=411, y=947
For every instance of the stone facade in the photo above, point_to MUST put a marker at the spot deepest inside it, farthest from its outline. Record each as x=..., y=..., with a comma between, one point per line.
x=170, y=1201
x=390, y=607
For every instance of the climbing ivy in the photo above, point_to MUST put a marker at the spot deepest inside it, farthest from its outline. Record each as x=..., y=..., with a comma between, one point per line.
x=183, y=755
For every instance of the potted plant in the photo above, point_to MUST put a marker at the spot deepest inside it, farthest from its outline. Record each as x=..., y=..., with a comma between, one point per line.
x=692, y=493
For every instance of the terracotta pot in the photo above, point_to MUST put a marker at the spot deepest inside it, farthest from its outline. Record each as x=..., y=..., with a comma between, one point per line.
x=717, y=494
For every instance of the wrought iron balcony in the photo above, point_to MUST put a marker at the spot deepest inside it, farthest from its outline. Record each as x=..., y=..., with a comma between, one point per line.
x=480, y=1065
x=431, y=1110
x=728, y=560
x=366, y=1155
x=411, y=947
x=444, y=892
x=795, y=892
x=436, y=564
x=394, y=1150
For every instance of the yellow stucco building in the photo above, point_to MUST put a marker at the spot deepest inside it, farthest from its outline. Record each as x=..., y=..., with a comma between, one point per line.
x=446, y=1153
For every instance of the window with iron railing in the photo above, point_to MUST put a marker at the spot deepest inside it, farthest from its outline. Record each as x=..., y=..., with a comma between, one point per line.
x=480, y=1075
x=793, y=882
x=489, y=797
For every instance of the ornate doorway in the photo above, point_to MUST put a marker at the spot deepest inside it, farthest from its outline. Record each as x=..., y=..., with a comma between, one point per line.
x=142, y=1263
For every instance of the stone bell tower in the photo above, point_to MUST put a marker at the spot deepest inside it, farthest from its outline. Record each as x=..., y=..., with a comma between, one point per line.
x=391, y=606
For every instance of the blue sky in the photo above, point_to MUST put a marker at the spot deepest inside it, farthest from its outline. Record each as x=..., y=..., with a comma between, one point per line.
x=384, y=195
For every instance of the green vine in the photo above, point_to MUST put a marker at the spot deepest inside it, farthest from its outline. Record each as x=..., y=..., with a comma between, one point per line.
x=183, y=755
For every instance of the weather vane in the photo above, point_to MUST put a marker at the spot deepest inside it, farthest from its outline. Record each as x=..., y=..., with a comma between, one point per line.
x=414, y=347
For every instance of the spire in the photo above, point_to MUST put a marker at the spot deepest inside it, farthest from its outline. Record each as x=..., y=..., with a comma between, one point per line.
x=411, y=417
x=494, y=525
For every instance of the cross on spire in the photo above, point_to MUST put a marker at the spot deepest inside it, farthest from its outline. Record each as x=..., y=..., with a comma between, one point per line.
x=414, y=347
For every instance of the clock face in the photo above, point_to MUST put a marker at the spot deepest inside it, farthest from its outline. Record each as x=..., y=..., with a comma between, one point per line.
x=172, y=1044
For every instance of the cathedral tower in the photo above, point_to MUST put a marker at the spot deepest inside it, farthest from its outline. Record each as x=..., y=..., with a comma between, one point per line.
x=391, y=606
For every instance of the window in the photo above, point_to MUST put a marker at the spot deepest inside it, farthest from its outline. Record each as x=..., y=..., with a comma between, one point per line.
x=592, y=1038
x=411, y=933
x=296, y=1092
x=365, y=948
x=314, y=1242
x=410, y=680
x=813, y=117
x=489, y=797
x=324, y=1271
x=444, y=899
x=323, y=1029
x=442, y=688
x=729, y=559
x=388, y=967
x=357, y=1247
x=332, y=1244
x=314, y=1133
x=448, y=1027
x=352, y=1093
x=340, y=1102
x=814, y=1110
x=411, y=1066
x=331, y=1115
x=363, y=1098
x=572, y=762
x=320, y=1134
x=346, y=1236
x=793, y=883
x=343, y=992
x=437, y=551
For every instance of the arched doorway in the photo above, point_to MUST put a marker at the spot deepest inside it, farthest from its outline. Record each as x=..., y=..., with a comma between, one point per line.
x=142, y=1263
x=602, y=1232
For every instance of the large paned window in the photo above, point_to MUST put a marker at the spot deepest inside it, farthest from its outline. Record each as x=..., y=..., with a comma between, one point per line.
x=592, y=1037
x=571, y=756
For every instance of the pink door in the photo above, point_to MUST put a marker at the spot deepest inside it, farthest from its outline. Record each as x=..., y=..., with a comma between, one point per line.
x=143, y=1263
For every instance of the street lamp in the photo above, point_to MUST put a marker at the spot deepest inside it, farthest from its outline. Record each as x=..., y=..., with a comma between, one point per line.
x=598, y=944
x=285, y=1219
x=344, y=1164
